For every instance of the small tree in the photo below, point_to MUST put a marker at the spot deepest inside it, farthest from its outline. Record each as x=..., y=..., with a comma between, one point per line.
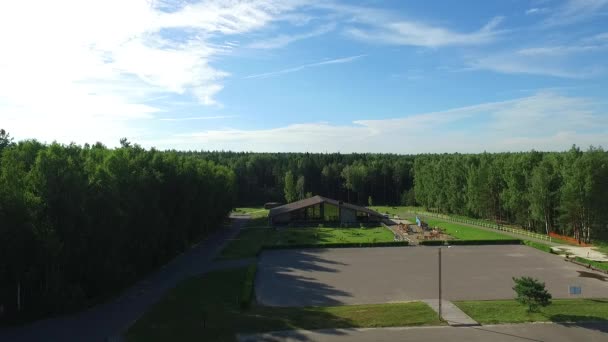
x=370, y=202
x=531, y=292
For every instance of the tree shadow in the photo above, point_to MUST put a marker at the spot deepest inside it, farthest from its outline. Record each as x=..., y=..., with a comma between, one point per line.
x=593, y=275
x=587, y=321
x=282, y=284
x=282, y=279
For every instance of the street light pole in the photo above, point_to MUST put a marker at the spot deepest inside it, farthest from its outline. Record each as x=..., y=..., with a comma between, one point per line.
x=440, y=318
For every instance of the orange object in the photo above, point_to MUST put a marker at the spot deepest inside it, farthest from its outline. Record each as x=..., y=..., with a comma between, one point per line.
x=569, y=239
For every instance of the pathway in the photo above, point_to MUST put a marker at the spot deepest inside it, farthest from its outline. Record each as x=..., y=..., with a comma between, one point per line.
x=588, y=332
x=107, y=322
x=451, y=313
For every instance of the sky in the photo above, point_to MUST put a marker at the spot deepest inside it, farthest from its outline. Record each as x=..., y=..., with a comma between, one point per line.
x=307, y=76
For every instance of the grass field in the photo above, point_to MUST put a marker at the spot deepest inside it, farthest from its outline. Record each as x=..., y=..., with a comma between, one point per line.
x=463, y=232
x=206, y=309
x=561, y=310
x=394, y=210
x=249, y=241
x=597, y=264
x=255, y=212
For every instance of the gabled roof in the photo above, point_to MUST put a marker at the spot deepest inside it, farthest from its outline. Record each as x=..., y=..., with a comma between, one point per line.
x=309, y=202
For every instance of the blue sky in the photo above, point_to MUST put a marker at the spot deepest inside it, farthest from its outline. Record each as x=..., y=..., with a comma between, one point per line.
x=316, y=76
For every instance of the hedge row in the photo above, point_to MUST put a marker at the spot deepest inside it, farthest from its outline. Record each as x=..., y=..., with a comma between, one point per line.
x=247, y=289
x=339, y=245
x=596, y=264
x=470, y=242
x=540, y=246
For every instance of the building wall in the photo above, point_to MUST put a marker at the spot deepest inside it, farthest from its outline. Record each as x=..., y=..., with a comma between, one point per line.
x=283, y=218
x=348, y=215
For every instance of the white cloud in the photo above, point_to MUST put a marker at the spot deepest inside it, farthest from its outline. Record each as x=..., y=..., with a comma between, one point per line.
x=305, y=66
x=420, y=34
x=383, y=27
x=545, y=121
x=74, y=70
x=284, y=39
x=559, y=50
x=574, y=11
x=536, y=10
x=196, y=118
x=535, y=62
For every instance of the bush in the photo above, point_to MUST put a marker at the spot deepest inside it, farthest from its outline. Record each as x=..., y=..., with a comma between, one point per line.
x=591, y=263
x=469, y=242
x=539, y=246
x=531, y=292
x=340, y=245
x=247, y=289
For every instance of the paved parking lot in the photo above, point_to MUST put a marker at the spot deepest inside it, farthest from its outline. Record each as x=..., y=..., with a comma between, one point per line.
x=379, y=275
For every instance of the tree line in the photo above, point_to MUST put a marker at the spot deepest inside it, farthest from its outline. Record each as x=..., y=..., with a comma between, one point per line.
x=285, y=177
x=565, y=192
x=79, y=223
x=562, y=192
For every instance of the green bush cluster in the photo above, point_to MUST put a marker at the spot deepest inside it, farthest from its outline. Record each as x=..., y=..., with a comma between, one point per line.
x=540, y=246
x=339, y=245
x=470, y=242
x=246, y=298
x=596, y=264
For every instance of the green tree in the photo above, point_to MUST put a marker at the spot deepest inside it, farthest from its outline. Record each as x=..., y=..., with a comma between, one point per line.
x=5, y=139
x=531, y=292
x=291, y=194
x=543, y=193
x=300, y=188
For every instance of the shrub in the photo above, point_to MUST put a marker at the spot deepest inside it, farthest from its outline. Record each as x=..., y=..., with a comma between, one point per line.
x=531, y=292
x=470, y=242
x=539, y=246
x=247, y=289
x=596, y=264
x=340, y=245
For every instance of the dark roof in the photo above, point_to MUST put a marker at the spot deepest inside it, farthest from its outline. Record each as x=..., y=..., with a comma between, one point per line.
x=309, y=202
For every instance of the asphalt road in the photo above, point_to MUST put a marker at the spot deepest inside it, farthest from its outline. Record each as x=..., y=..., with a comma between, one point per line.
x=106, y=322
x=380, y=275
x=589, y=332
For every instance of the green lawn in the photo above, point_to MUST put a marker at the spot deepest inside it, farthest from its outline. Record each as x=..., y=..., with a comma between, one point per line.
x=206, y=309
x=561, y=310
x=601, y=246
x=394, y=210
x=463, y=232
x=250, y=240
x=597, y=264
x=255, y=212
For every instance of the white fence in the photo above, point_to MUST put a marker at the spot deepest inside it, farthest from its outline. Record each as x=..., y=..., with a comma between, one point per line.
x=484, y=224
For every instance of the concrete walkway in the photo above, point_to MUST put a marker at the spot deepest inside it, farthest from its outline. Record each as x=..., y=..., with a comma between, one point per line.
x=451, y=313
x=584, y=252
x=538, y=332
x=107, y=322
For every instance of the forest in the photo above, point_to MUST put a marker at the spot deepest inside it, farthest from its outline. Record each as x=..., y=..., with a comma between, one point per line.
x=354, y=178
x=77, y=224
x=564, y=192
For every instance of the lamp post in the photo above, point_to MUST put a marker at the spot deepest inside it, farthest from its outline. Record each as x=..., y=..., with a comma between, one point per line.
x=440, y=316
